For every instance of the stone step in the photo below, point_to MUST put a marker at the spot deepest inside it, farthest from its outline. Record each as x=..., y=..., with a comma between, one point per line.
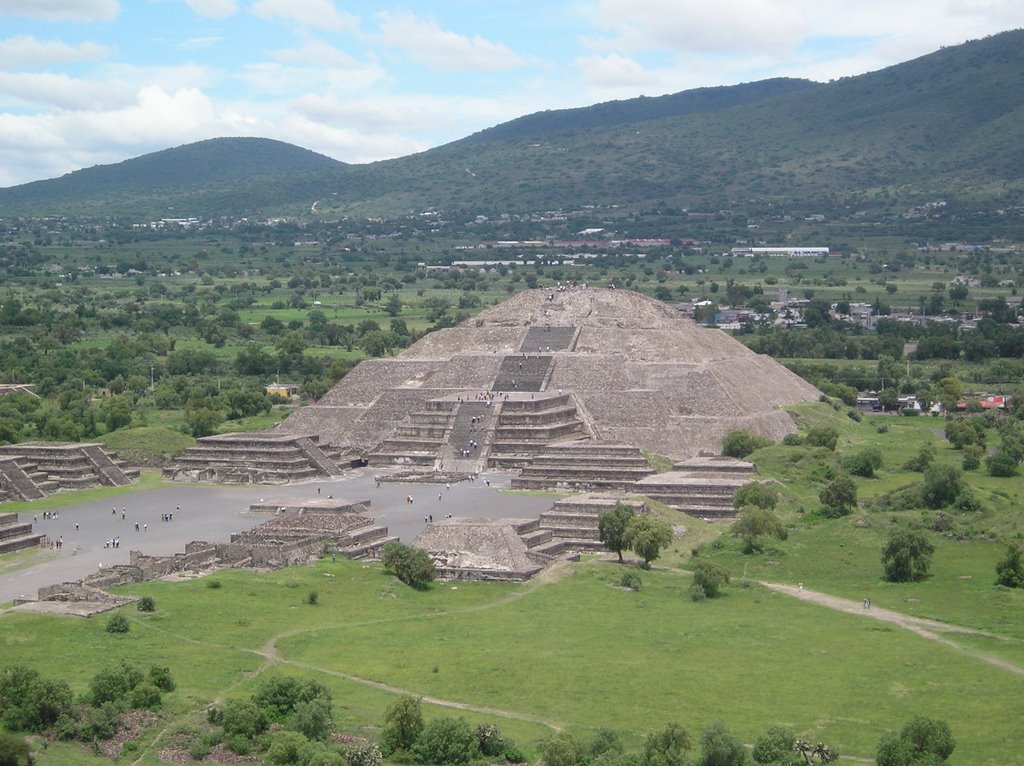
x=536, y=538
x=370, y=550
x=20, y=543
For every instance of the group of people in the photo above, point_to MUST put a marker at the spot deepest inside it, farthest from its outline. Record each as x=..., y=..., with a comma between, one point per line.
x=114, y=542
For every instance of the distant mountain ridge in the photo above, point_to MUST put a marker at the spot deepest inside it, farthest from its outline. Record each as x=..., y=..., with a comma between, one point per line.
x=948, y=123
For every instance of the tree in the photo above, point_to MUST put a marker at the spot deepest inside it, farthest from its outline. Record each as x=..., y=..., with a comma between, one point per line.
x=611, y=526
x=710, y=577
x=244, y=718
x=755, y=523
x=1002, y=463
x=839, y=496
x=720, y=747
x=14, y=751
x=757, y=494
x=312, y=718
x=562, y=749
x=447, y=740
x=739, y=444
x=775, y=746
x=906, y=555
x=646, y=536
x=1010, y=569
x=413, y=566
x=864, y=462
x=403, y=724
x=819, y=752
x=667, y=747
x=942, y=485
x=823, y=436
x=922, y=740
x=113, y=684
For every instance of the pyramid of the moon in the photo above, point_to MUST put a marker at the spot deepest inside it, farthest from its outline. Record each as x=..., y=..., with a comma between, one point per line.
x=555, y=367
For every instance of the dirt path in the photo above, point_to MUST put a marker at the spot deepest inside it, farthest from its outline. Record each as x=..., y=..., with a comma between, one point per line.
x=929, y=629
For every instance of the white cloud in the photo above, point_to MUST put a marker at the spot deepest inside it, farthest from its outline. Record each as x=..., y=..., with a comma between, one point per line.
x=615, y=71
x=61, y=10
x=61, y=91
x=27, y=51
x=214, y=9
x=429, y=44
x=320, y=14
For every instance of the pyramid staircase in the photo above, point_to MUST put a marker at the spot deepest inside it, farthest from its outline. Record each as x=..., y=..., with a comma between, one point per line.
x=256, y=458
x=32, y=470
x=703, y=487
x=584, y=466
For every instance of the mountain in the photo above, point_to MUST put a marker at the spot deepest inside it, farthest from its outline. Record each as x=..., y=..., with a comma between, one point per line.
x=948, y=124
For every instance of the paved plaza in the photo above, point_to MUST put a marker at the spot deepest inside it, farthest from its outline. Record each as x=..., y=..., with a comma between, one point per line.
x=214, y=512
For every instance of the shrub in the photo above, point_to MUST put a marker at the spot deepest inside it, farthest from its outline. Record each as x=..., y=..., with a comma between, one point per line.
x=972, y=457
x=630, y=580
x=363, y=755
x=286, y=748
x=413, y=566
x=739, y=444
x=313, y=719
x=403, y=724
x=146, y=604
x=561, y=749
x=160, y=676
x=921, y=741
x=755, y=523
x=920, y=462
x=99, y=722
x=145, y=696
x=774, y=746
x=906, y=555
x=793, y=440
x=697, y=593
x=864, y=462
x=606, y=741
x=447, y=740
x=839, y=496
x=757, y=494
x=114, y=684
x=118, y=623
x=1002, y=463
x=710, y=577
x=1010, y=569
x=243, y=717
x=666, y=747
x=14, y=751
x=492, y=744
x=312, y=597
x=30, y=702
x=213, y=584
x=720, y=747
x=822, y=436
x=942, y=485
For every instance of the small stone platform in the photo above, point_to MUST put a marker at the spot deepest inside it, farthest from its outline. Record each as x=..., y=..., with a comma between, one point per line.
x=481, y=549
x=256, y=458
x=33, y=470
x=17, y=535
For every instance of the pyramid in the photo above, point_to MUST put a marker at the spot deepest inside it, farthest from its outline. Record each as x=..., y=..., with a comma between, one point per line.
x=554, y=367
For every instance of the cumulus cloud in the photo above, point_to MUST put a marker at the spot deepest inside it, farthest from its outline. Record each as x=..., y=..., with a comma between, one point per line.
x=214, y=9
x=432, y=46
x=61, y=91
x=320, y=14
x=62, y=10
x=27, y=51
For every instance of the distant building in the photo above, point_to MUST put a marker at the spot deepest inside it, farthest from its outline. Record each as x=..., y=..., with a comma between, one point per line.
x=788, y=252
x=284, y=390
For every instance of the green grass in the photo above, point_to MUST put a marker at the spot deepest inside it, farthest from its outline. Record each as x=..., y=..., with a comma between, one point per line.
x=148, y=479
x=571, y=651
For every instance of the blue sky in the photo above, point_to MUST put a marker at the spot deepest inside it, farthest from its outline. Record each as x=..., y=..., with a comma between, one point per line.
x=86, y=82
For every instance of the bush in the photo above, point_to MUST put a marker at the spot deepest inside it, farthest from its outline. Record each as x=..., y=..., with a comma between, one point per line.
x=146, y=604
x=363, y=755
x=99, y=722
x=710, y=577
x=864, y=462
x=720, y=747
x=666, y=747
x=606, y=741
x=756, y=494
x=286, y=748
x=313, y=719
x=160, y=676
x=942, y=485
x=1001, y=464
x=697, y=593
x=839, y=496
x=1010, y=569
x=630, y=580
x=822, y=436
x=243, y=717
x=921, y=741
x=739, y=444
x=447, y=741
x=793, y=440
x=114, y=684
x=922, y=460
x=413, y=566
x=145, y=696
x=492, y=744
x=403, y=724
x=118, y=623
x=14, y=751
x=972, y=457
x=561, y=749
x=213, y=584
x=312, y=597
x=774, y=746
x=906, y=555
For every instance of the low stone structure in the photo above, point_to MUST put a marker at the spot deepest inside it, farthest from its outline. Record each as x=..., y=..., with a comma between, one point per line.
x=17, y=535
x=482, y=549
x=256, y=458
x=33, y=470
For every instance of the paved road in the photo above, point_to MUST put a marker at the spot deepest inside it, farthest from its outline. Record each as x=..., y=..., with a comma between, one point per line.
x=213, y=512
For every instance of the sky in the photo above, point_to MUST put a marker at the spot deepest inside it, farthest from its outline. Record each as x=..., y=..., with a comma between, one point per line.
x=90, y=82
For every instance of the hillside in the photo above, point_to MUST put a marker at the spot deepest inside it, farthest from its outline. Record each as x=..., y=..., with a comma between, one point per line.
x=949, y=124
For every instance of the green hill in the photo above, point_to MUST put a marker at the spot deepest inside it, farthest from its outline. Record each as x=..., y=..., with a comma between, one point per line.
x=946, y=125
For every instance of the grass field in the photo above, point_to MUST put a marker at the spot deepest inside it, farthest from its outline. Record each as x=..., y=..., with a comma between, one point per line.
x=571, y=651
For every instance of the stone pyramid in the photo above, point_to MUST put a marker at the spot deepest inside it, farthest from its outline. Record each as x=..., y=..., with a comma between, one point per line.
x=552, y=366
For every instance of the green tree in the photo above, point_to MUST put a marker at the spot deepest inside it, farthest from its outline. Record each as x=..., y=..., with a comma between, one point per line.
x=839, y=496
x=14, y=751
x=755, y=523
x=823, y=436
x=775, y=747
x=739, y=444
x=710, y=577
x=447, y=740
x=413, y=566
x=647, y=536
x=906, y=555
x=921, y=742
x=1010, y=569
x=667, y=747
x=562, y=749
x=313, y=718
x=244, y=718
x=611, y=526
x=1002, y=463
x=403, y=724
x=756, y=494
x=942, y=485
x=720, y=747
x=864, y=462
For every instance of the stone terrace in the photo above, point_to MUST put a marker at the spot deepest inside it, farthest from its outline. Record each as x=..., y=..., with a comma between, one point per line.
x=586, y=466
x=256, y=458
x=33, y=470
x=17, y=535
x=571, y=523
